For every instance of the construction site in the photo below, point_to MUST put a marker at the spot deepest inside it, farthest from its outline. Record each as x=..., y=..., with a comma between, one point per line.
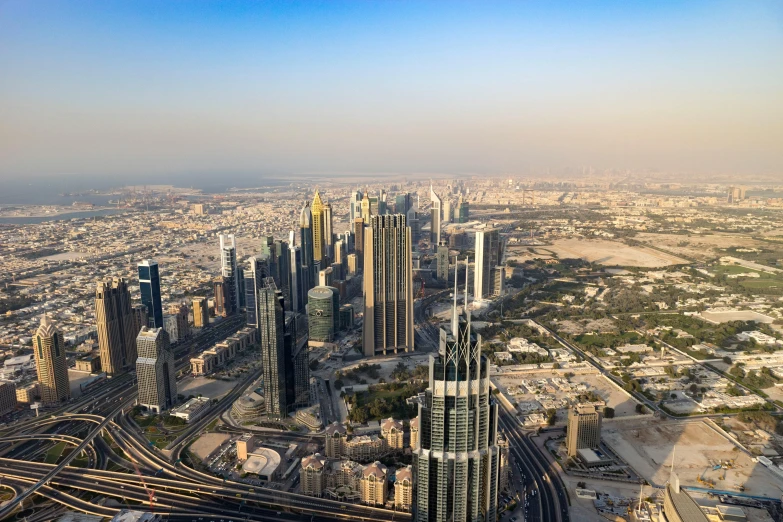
x=698, y=451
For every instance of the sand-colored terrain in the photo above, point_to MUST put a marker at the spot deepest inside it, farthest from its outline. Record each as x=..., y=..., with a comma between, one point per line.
x=612, y=253
x=208, y=443
x=698, y=247
x=650, y=447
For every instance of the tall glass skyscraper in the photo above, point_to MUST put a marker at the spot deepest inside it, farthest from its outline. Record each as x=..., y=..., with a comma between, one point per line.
x=435, y=218
x=488, y=277
x=456, y=458
x=318, y=228
x=388, y=286
x=149, y=284
x=228, y=267
x=155, y=371
x=306, y=243
x=116, y=332
x=323, y=306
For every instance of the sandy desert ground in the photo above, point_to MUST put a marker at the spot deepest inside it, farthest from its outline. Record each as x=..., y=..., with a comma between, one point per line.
x=612, y=253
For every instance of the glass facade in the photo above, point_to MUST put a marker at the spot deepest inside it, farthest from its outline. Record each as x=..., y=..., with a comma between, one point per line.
x=149, y=285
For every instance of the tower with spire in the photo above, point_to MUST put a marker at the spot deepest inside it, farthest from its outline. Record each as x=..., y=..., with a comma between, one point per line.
x=457, y=459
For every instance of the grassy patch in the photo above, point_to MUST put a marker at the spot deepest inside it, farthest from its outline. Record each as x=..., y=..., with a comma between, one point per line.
x=54, y=453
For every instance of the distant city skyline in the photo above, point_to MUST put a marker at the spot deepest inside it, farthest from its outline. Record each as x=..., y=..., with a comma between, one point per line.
x=113, y=90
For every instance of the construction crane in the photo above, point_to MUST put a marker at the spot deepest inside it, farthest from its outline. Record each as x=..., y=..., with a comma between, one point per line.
x=150, y=492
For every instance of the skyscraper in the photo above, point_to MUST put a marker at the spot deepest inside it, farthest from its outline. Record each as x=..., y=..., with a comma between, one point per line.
x=224, y=305
x=200, y=312
x=463, y=210
x=366, y=208
x=228, y=268
x=447, y=214
x=114, y=320
x=355, y=205
x=157, y=381
x=388, y=286
x=442, y=267
x=306, y=241
x=318, y=229
x=584, y=428
x=358, y=232
x=328, y=230
x=435, y=217
x=149, y=284
x=140, y=318
x=258, y=270
x=297, y=276
x=276, y=353
x=323, y=305
x=402, y=203
x=457, y=460
x=488, y=280
x=51, y=364
x=382, y=202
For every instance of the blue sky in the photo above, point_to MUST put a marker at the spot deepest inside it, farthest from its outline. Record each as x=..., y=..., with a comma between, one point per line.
x=112, y=88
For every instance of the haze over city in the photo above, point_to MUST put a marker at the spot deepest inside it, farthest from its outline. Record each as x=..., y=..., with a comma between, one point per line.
x=391, y=261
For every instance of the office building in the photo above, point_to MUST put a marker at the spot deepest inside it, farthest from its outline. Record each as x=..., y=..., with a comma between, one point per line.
x=374, y=484
x=228, y=269
x=414, y=222
x=442, y=262
x=149, y=285
x=115, y=325
x=140, y=318
x=199, y=209
x=328, y=230
x=382, y=203
x=388, y=286
x=7, y=397
x=435, y=217
x=200, y=312
x=463, y=210
x=297, y=282
x=257, y=272
x=318, y=228
x=180, y=312
x=155, y=370
x=457, y=460
x=353, y=264
x=403, y=489
x=326, y=277
x=366, y=209
x=355, y=206
x=447, y=213
x=340, y=253
x=323, y=304
x=358, y=232
x=584, y=428
x=224, y=304
x=488, y=280
x=306, y=244
x=51, y=363
x=402, y=203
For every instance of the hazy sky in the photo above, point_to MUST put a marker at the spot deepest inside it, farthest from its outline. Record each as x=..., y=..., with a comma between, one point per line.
x=112, y=88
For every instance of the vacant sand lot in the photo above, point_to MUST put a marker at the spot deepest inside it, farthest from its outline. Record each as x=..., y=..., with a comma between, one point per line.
x=699, y=247
x=649, y=449
x=612, y=253
x=208, y=443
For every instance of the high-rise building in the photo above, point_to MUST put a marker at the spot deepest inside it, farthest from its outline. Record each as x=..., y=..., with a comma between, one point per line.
x=435, y=217
x=297, y=280
x=140, y=318
x=392, y=431
x=456, y=462
x=114, y=321
x=328, y=230
x=228, y=268
x=311, y=475
x=336, y=436
x=180, y=313
x=358, y=232
x=323, y=305
x=414, y=222
x=373, y=486
x=388, y=286
x=224, y=304
x=463, y=210
x=200, y=312
x=382, y=202
x=318, y=228
x=366, y=208
x=306, y=243
x=447, y=214
x=326, y=277
x=257, y=272
x=155, y=370
x=270, y=318
x=149, y=284
x=353, y=264
x=489, y=254
x=402, y=203
x=442, y=267
x=340, y=251
x=51, y=364
x=355, y=205
x=7, y=397
x=584, y=428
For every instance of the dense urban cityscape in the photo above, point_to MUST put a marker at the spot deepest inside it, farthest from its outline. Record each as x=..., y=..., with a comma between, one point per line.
x=450, y=349
x=391, y=261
